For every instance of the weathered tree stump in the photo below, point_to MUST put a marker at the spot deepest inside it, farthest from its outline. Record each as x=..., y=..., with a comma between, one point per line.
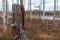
x=18, y=21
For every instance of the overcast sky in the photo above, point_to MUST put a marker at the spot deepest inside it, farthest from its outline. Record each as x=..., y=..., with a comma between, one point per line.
x=49, y=4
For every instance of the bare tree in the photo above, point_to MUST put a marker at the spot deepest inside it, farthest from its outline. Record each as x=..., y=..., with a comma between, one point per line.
x=5, y=13
x=29, y=9
x=43, y=11
x=54, y=11
x=21, y=2
x=40, y=9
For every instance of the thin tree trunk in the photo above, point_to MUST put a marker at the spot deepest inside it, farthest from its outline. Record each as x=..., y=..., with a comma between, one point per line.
x=40, y=9
x=43, y=11
x=54, y=11
x=29, y=9
x=5, y=14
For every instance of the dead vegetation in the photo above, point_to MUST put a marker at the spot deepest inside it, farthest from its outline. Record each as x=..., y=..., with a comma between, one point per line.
x=35, y=30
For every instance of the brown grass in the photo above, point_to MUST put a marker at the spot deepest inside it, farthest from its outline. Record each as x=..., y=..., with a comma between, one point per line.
x=35, y=30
